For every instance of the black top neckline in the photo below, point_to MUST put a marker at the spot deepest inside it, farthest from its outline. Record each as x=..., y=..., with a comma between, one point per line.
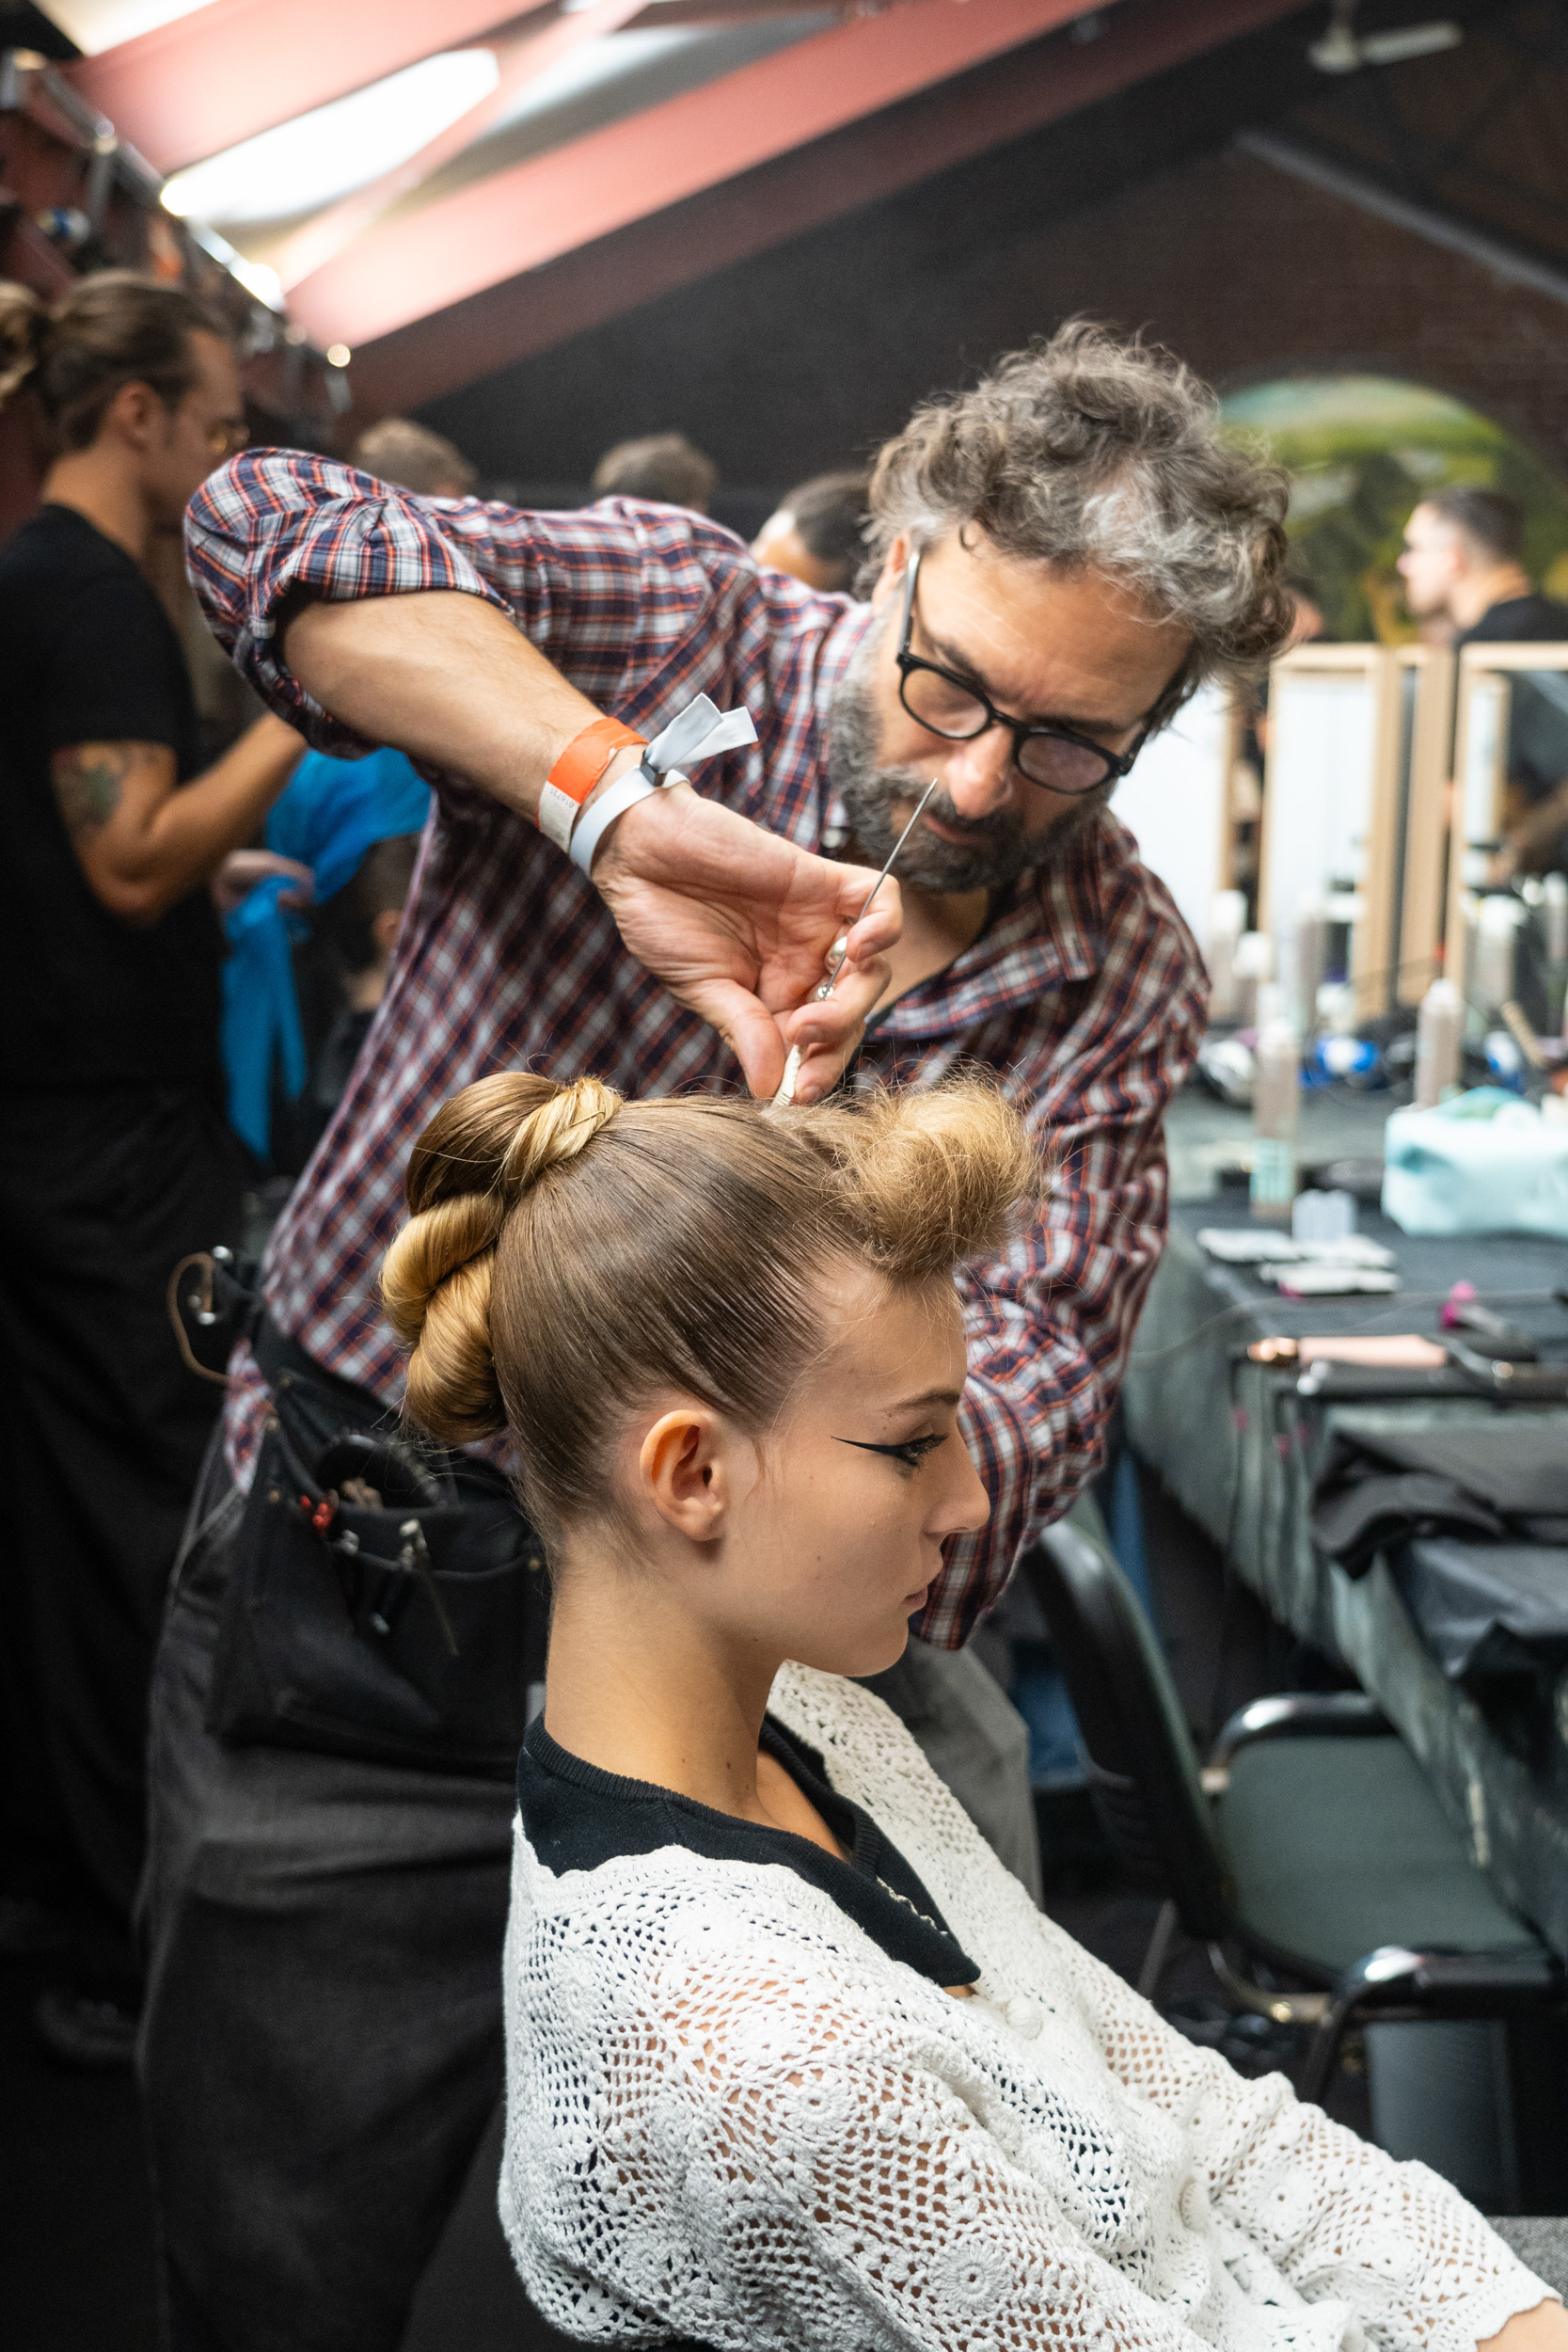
x=579, y=1817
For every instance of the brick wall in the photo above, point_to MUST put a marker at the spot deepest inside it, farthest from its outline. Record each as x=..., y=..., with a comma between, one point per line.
x=813, y=351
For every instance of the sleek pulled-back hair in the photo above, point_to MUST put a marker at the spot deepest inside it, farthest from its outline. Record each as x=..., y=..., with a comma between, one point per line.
x=1092, y=451
x=113, y=328
x=570, y=1255
x=1493, y=521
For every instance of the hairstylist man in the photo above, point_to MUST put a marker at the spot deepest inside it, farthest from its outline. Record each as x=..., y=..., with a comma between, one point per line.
x=1065, y=550
x=115, y=1160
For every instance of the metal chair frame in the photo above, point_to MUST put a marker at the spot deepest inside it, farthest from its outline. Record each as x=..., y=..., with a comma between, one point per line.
x=1155, y=1803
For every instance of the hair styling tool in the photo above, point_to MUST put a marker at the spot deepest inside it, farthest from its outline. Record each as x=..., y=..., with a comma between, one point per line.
x=836, y=953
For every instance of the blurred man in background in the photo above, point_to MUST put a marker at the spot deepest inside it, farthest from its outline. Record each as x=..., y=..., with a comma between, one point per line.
x=1463, y=550
x=399, y=451
x=1462, y=560
x=663, y=467
x=816, y=532
x=114, y=1157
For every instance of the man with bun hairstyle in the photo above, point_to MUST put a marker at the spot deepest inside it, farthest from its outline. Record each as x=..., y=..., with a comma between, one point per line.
x=1064, y=552
x=114, y=1157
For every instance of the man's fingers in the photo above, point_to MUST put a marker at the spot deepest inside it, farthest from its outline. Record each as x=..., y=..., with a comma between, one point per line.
x=875, y=931
x=748, y=1029
x=828, y=1032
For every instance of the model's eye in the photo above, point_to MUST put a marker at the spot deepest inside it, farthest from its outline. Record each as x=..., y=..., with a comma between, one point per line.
x=912, y=1453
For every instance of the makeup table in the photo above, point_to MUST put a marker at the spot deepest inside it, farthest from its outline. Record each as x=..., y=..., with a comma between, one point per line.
x=1237, y=1442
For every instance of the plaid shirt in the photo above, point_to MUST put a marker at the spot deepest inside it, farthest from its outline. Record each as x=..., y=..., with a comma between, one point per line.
x=1084, y=993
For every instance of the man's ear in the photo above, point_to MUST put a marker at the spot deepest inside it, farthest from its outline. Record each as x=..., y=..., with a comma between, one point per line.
x=688, y=1470
x=134, y=414
x=894, y=564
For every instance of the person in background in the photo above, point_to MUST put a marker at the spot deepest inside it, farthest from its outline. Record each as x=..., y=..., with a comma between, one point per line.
x=1462, y=555
x=1309, y=626
x=279, y=1008
x=115, y=1156
x=1462, y=562
x=817, y=532
x=663, y=467
x=411, y=455
x=363, y=921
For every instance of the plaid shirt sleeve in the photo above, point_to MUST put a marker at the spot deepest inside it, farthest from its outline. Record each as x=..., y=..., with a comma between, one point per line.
x=639, y=606
x=1050, y=1323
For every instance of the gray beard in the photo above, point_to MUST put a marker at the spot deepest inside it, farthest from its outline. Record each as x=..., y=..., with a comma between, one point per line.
x=996, y=852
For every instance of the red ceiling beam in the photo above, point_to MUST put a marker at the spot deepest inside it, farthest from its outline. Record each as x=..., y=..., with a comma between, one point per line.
x=520, y=219
x=856, y=166
x=237, y=67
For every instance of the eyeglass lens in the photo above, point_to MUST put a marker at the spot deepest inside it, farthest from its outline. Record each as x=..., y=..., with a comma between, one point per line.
x=944, y=706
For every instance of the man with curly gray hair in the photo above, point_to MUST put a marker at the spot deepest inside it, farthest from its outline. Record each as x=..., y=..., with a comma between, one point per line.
x=1071, y=539
x=1062, y=552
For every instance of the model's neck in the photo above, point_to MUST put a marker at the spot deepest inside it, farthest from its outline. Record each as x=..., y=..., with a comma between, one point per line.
x=642, y=1687
x=99, y=486
x=1473, y=596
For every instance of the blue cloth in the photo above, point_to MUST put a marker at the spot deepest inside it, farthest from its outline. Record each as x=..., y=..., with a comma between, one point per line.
x=328, y=814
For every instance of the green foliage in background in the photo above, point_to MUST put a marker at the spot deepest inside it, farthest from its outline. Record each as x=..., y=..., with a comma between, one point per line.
x=1362, y=452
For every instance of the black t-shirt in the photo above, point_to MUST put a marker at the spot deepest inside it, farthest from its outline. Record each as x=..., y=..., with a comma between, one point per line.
x=1538, y=715
x=87, y=655
x=579, y=1818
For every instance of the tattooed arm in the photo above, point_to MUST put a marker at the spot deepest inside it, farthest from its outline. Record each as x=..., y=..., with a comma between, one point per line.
x=143, y=845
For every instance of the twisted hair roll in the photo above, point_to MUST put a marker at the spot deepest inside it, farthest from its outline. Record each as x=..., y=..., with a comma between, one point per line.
x=469, y=1172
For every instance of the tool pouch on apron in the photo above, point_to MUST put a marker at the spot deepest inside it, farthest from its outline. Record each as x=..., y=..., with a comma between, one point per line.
x=387, y=1599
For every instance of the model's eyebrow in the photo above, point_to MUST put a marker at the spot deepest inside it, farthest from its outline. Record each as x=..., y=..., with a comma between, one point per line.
x=928, y=1396
x=956, y=658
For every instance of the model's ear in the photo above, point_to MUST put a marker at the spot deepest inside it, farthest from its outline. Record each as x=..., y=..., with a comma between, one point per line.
x=688, y=1470
x=894, y=564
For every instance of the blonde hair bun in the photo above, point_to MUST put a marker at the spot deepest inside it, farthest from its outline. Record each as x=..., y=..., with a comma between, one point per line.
x=473, y=1164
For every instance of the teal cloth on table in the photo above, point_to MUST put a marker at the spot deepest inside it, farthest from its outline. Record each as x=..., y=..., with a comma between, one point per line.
x=328, y=814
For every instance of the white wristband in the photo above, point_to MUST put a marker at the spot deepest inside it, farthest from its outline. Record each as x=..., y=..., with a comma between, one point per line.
x=698, y=733
x=594, y=822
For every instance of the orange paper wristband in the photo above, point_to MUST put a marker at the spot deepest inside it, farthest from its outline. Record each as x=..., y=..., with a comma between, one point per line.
x=588, y=755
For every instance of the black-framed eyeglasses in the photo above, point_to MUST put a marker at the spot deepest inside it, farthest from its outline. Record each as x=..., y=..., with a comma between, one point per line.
x=958, y=709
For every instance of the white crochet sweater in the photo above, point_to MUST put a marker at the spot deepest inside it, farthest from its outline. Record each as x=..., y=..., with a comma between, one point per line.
x=731, y=2116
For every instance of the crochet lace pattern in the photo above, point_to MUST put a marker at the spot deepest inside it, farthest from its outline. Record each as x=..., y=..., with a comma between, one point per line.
x=731, y=2116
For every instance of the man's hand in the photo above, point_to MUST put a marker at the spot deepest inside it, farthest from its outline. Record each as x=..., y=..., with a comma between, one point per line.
x=737, y=923
x=242, y=869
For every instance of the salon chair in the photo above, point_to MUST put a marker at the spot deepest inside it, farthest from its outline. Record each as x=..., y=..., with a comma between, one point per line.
x=1310, y=1856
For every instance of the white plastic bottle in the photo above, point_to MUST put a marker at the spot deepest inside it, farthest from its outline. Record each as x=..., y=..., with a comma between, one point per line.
x=1227, y=922
x=1554, y=918
x=1275, y=1104
x=1252, y=966
x=1440, y=1028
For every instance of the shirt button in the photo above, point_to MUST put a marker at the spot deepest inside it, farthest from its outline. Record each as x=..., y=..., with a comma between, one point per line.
x=1025, y=2017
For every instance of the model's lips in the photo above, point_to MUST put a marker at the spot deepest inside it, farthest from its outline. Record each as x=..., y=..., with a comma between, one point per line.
x=917, y=1600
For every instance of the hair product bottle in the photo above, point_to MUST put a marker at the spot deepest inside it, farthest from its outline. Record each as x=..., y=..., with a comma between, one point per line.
x=1438, y=1028
x=1227, y=922
x=1275, y=1102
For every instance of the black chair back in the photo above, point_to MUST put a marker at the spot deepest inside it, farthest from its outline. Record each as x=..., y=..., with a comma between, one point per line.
x=1142, y=1769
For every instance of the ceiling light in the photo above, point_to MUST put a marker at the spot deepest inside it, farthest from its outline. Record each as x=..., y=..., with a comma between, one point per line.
x=95, y=25
x=264, y=284
x=322, y=155
x=1342, y=51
